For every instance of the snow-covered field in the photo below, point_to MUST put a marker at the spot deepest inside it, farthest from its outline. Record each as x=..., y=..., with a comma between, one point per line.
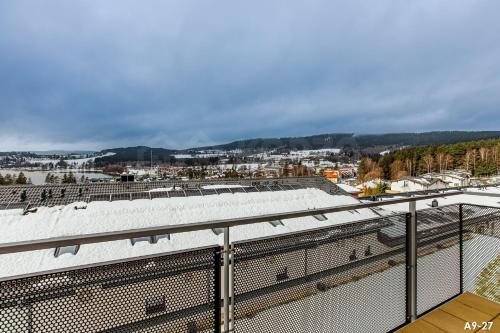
x=100, y=216
x=74, y=162
x=375, y=303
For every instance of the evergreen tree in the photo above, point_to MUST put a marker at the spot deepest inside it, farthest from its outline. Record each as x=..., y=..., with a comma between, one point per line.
x=21, y=179
x=71, y=178
x=362, y=169
x=8, y=179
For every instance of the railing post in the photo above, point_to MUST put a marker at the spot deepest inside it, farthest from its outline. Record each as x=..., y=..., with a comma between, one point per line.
x=217, y=285
x=226, y=279
x=411, y=258
x=460, y=244
x=231, y=290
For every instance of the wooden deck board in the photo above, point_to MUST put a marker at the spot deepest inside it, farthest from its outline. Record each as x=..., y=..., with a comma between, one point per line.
x=465, y=312
x=452, y=316
x=496, y=325
x=444, y=321
x=420, y=326
x=480, y=303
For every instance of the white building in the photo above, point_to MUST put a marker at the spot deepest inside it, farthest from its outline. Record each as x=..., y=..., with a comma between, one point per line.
x=453, y=178
x=412, y=184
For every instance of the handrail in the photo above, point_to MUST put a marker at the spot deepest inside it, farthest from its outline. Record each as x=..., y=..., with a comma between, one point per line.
x=48, y=243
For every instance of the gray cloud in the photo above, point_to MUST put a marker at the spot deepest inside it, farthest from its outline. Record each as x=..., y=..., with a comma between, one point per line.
x=96, y=74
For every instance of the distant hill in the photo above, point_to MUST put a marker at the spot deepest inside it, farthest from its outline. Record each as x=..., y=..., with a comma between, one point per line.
x=294, y=143
x=361, y=141
x=336, y=140
x=139, y=153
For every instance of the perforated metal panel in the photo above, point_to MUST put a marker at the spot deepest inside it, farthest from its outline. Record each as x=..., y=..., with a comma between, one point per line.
x=481, y=251
x=347, y=278
x=170, y=293
x=438, y=256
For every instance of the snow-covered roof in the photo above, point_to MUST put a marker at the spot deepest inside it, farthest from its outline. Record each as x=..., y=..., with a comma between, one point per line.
x=104, y=216
x=454, y=199
x=348, y=188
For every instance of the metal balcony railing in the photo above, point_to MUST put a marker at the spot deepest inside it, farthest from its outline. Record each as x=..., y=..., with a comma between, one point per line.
x=372, y=275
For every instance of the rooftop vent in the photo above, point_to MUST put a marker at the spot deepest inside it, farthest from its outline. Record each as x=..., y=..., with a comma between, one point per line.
x=71, y=249
x=320, y=217
x=276, y=223
x=155, y=239
x=135, y=240
x=149, y=239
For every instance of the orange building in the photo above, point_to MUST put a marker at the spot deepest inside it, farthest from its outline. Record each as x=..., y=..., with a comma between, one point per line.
x=332, y=175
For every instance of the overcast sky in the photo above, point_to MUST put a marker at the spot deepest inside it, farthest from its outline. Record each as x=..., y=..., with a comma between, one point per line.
x=176, y=74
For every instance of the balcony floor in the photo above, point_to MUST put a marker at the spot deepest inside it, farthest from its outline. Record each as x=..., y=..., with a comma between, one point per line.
x=452, y=316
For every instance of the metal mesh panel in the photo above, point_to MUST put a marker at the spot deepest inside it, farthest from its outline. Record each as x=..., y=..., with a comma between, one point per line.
x=438, y=256
x=170, y=293
x=481, y=251
x=347, y=278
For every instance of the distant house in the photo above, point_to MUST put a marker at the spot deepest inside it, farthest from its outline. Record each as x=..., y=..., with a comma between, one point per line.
x=452, y=178
x=331, y=175
x=411, y=184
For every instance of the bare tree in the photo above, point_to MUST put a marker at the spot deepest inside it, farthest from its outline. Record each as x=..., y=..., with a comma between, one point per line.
x=440, y=161
x=483, y=154
x=468, y=159
x=474, y=156
x=495, y=154
x=398, y=170
x=428, y=162
x=448, y=160
x=410, y=166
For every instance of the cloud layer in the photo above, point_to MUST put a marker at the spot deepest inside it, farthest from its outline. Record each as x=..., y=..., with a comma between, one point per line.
x=96, y=74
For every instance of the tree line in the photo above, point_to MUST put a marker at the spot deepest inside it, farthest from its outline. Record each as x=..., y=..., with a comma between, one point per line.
x=14, y=179
x=480, y=158
x=66, y=178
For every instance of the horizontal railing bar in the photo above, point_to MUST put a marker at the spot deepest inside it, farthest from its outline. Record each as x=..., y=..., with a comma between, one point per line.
x=483, y=194
x=49, y=243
